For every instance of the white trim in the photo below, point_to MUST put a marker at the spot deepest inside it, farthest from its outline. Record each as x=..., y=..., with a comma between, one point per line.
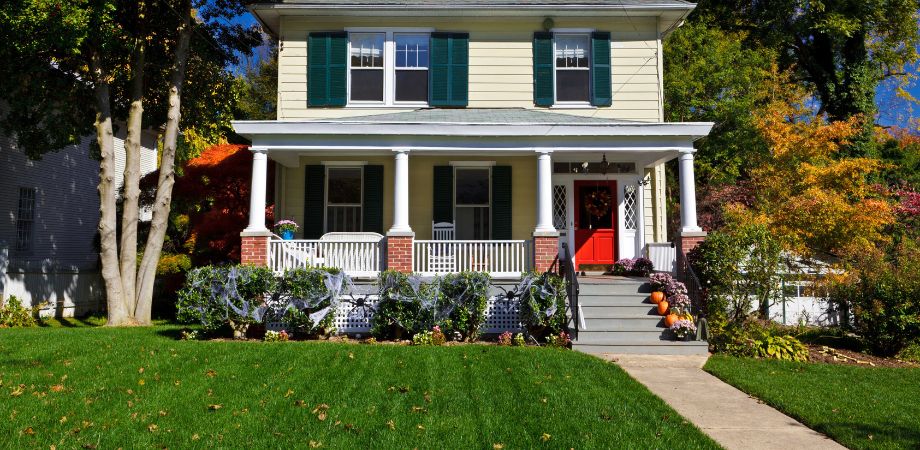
x=389, y=30
x=573, y=32
x=344, y=163
x=472, y=164
x=389, y=67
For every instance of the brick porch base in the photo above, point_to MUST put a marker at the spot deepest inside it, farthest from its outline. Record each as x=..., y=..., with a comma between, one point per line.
x=545, y=252
x=399, y=252
x=254, y=249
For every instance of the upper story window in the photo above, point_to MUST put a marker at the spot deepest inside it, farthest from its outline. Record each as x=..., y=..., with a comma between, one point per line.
x=388, y=68
x=572, y=54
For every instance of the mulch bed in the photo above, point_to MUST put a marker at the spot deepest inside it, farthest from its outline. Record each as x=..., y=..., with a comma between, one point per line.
x=824, y=354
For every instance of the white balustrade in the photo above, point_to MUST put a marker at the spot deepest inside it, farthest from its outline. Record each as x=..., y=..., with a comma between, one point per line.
x=501, y=259
x=663, y=256
x=357, y=259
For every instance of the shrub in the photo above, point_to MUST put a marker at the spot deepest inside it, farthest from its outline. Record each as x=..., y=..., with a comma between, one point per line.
x=519, y=340
x=219, y=295
x=883, y=294
x=543, y=305
x=780, y=347
x=304, y=294
x=399, y=310
x=737, y=267
x=560, y=340
x=464, y=295
x=760, y=339
x=433, y=337
x=14, y=315
x=911, y=352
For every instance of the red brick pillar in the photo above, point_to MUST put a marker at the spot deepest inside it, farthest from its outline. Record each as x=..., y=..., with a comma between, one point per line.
x=689, y=240
x=254, y=248
x=545, y=251
x=399, y=251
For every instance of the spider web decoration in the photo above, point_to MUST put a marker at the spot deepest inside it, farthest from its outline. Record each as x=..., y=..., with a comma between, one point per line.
x=630, y=206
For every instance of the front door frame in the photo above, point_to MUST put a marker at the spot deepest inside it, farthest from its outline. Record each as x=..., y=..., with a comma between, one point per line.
x=627, y=240
x=615, y=189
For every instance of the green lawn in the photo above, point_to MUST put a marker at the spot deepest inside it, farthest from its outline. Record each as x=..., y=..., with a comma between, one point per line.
x=108, y=388
x=860, y=407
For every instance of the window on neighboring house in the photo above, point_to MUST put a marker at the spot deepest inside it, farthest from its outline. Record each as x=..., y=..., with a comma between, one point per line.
x=343, y=199
x=573, y=72
x=389, y=68
x=25, y=219
x=367, y=66
x=472, y=203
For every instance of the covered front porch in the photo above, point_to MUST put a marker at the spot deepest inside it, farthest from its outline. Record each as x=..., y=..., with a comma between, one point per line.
x=418, y=193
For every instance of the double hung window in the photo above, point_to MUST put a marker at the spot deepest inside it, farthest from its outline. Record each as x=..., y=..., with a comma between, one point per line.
x=388, y=68
x=573, y=72
x=343, y=199
x=472, y=202
x=25, y=219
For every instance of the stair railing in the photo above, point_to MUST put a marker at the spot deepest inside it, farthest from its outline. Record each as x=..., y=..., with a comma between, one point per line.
x=695, y=291
x=567, y=267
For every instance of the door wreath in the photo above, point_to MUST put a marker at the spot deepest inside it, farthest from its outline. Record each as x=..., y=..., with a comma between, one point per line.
x=598, y=203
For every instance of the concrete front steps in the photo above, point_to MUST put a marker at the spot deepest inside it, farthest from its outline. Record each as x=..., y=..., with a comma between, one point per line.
x=618, y=317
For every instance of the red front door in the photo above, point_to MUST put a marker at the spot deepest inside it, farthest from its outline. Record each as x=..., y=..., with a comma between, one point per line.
x=595, y=222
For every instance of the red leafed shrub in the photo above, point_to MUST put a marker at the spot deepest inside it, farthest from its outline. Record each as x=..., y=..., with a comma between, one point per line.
x=210, y=204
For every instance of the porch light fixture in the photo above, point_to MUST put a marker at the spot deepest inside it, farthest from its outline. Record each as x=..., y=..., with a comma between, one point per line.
x=604, y=165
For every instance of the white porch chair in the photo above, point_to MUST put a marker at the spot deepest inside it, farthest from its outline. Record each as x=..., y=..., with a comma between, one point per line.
x=442, y=258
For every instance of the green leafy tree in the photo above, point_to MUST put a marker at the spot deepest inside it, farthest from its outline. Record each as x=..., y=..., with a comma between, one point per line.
x=94, y=63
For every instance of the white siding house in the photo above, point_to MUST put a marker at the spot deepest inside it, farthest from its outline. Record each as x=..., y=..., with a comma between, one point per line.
x=50, y=213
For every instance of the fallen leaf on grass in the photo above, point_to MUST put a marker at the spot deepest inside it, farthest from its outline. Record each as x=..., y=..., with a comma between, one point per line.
x=196, y=437
x=288, y=393
x=546, y=437
x=18, y=391
x=391, y=424
x=498, y=446
x=211, y=373
x=215, y=407
x=320, y=411
x=420, y=427
x=141, y=382
x=152, y=427
x=314, y=444
x=57, y=388
x=29, y=431
x=418, y=409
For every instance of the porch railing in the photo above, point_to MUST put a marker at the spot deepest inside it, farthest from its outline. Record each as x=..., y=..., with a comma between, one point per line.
x=567, y=267
x=501, y=259
x=695, y=291
x=357, y=259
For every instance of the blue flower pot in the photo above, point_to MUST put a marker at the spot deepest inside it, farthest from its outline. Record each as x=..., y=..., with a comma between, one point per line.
x=287, y=235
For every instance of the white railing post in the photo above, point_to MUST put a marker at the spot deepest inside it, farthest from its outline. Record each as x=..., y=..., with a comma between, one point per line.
x=687, y=193
x=544, y=193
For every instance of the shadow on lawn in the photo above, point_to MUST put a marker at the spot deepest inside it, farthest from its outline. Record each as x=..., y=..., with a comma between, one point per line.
x=864, y=435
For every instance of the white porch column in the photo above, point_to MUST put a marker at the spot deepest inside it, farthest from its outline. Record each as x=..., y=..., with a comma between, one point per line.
x=544, y=193
x=687, y=193
x=401, y=192
x=257, y=190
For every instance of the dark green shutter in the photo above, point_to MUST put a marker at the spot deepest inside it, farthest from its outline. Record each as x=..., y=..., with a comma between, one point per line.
x=501, y=203
x=327, y=66
x=314, y=200
x=448, y=77
x=601, y=84
x=442, y=209
x=543, y=89
x=373, y=199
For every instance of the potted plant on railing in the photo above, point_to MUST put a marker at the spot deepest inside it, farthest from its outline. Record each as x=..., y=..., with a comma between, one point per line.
x=286, y=228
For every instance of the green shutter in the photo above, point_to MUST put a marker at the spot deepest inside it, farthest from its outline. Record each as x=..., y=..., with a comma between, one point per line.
x=443, y=208
x=543, y=89
x=327, y=66
x=448, y=77
x=314, y=199
x=501, y=203
x=373, y=199
x=601, y=83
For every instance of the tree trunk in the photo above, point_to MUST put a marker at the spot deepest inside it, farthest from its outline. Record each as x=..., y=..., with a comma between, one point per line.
x=161, y=205
x=118, y=311
x=132, y=190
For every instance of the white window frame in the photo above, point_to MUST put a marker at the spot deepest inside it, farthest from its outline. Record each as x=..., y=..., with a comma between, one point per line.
x=581, y=32
x=389, y=67
x=488, y=204
x=25, y=246
x=359, y=205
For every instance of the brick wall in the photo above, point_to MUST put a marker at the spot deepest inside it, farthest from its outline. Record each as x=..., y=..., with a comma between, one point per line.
x=255, y=250
x=545, y=252
x=399, y=253
x=689, y=242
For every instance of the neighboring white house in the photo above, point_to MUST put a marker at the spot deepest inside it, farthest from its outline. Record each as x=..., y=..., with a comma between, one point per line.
x=48, y=232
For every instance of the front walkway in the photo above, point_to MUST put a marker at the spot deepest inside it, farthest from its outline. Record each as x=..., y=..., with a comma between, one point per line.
x=734, y=419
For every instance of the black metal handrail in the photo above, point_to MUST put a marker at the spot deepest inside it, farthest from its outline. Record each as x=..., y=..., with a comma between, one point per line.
x=567, y=267
x=686, y=275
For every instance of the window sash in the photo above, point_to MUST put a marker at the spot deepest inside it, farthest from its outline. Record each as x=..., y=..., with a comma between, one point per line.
x=25, y=219
x=576, y=53
x=390, y=67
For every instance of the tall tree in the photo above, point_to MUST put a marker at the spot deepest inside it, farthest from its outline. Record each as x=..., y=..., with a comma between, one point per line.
x=840, y=48
x=123, y=55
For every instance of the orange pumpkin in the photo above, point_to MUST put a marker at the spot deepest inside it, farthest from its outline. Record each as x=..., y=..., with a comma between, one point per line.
x=657, y=297
x=670, y=319
x=663, y=307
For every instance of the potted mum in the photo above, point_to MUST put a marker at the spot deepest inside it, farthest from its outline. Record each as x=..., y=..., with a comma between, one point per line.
x=286, y=229
x=659, y=282
x=683, y=329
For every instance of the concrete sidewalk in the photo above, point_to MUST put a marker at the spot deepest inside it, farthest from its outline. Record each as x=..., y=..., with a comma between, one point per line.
x=729, y=416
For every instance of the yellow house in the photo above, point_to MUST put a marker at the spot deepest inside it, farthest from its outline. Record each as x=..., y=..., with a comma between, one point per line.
x=440, y=136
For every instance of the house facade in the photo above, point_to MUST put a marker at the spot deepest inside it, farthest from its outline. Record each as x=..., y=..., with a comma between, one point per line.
x=436, y=137
x=49, y=253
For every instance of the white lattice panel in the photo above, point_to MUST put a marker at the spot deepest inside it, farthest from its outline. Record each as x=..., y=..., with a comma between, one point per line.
x=352, y=318
x=559, y=202
x=501, y=317
x=630, y=206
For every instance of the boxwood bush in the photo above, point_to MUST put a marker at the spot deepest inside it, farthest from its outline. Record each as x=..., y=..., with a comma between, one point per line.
x=217, y=295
